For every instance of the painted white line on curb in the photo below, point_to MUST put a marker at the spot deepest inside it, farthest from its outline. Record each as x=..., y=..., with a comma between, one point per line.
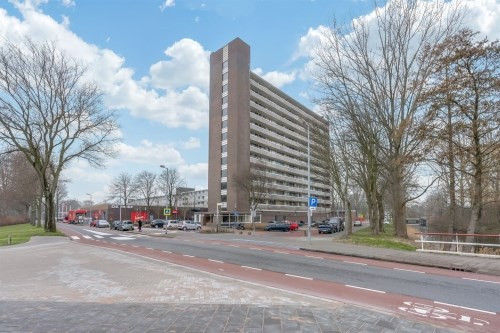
x=187, y=255
x=481, y=280
x=464, y=307
x=355, y=263
x=300, y=277
x=257, y=269
x=220, y=262
x=376, y=291
x=409, y=270
x=281, y=252
x=256, y=249
x=315, y=257
x=75, y=237
x=167, y=251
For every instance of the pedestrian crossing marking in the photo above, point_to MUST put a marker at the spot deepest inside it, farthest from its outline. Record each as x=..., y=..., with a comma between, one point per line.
x=87, y=237
x=75, y=237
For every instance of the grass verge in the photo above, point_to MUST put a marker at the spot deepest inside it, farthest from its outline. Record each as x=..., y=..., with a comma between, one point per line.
x=385, y=239
x=21, y=233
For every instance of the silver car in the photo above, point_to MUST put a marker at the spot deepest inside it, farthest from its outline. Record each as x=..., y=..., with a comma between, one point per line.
x=102, y=224
x=126, y=225
x=171, y=224
x=189, y=225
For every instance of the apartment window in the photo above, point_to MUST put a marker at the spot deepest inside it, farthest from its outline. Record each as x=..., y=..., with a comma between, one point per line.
x=224, y=100
x=223, y=160
x=224, y=88
x=224, y=148
x=225, y=65
x=224, y=124
x=224, y=76
x=224, y=112
x=223, y=173
x=223, y=186
x=223, y=198
x=224, y=136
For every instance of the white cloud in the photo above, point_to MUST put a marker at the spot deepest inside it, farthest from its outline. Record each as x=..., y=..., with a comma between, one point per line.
x=278, y=79
x=68, y=3
x=65, y=21
x=197, y=19
x=166, y=4
x=191, y=143
x=182, y=80
x=149, y=153
x=195, y=174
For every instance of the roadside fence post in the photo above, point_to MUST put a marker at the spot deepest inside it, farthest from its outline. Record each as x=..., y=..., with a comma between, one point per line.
x=456, y=239
x=422, y=241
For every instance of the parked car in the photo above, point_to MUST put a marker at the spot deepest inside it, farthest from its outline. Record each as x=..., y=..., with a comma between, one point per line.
x=126, y=225
x=277, y=226
x=325, y=228
x=157, y=224
x=301, y=223
x=357, y=223
x=293, y=225
x=114, y=225
x=189, y=225
x=237, y=225
x=336, y=224
x=171, y=224
x=102, y=224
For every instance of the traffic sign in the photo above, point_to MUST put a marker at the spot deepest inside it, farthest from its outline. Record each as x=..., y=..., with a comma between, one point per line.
x=166, y=211
x=174, y=211
x=312, y=208
x=313, y=202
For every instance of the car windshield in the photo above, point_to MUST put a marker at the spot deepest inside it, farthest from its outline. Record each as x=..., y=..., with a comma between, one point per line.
x=127, y=222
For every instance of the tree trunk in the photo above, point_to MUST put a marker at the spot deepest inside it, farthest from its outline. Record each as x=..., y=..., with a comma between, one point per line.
x=381, y=211
x=452, y=225
x=477, y=199
x=398, y=197
x=348, y=218
x=39, y=212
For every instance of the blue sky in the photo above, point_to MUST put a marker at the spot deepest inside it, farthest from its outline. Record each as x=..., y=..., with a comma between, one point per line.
x=151, y=58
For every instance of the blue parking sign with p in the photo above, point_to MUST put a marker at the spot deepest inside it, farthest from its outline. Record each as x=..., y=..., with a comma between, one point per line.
x=313, y=202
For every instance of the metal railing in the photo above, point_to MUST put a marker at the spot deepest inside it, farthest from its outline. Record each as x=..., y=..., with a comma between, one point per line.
x=457, y=243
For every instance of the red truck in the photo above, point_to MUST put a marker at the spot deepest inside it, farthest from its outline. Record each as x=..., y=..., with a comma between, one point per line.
x=75, y=216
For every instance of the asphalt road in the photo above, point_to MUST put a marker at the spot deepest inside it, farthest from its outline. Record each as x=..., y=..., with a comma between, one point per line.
x=466, y=293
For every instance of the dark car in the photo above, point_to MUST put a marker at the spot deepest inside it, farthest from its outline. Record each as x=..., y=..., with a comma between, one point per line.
x=277, y=226
x=237, y=225
x=325, y=228
x=337, y=224
x=157, y=224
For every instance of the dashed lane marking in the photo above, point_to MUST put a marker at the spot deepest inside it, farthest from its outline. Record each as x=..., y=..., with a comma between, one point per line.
x=149, y=248
x=218, y=261
x=75, y=237
x=409, y=270
x=216, y=243
x=87, y=237
x=97, y=236
x=135, y=245
x=374, y=290
x=187, y=255
x=98, y=232
x=167, y=251
x=256, y=249
x=464, y=307
x=123, y=238
x=248, y=267
x=355, y=263
x=281, y=252
x=234, y=245
x=480, y=280
x=298, y=276
x=315, y=257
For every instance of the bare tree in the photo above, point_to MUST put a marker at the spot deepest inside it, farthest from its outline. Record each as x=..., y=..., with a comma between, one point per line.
x=468, y=74
x=256, y=184
x=145, y=183
x=122, y=189
x=168, y=182
x=383, y=66
x=51, y=114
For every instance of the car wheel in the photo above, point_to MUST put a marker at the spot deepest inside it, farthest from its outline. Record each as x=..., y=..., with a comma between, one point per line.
x=199, y=228
x=156, y=226
x=184, y=229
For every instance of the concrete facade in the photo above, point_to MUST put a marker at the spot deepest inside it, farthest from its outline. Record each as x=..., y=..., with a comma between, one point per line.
x=254, y=125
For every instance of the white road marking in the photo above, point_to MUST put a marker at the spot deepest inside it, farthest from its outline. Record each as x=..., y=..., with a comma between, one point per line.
x=355, y=263
x=300, y=277
x=409, y=270
x=114, y=243
x=464, y=307
x=149, y=248
x=481, y=280
x=257, y=269
x=281, y=252
x=315, y=257
x=75, y=237
x=187, y=255
x=216, y=243
x=220, y=262
x=98, y=232
x=135, y=245
x=254, y=248
x=87, y=237
x=123, y=238
x=167, y=251
x=97, y=236
x=377, y=291
x=233, y=245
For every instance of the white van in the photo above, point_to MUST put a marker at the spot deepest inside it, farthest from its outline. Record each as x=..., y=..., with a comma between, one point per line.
x=171, y=224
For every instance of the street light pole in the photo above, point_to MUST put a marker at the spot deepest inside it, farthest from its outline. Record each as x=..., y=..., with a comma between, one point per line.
x=308, y=187
x=90, y=207
x=166, y=194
